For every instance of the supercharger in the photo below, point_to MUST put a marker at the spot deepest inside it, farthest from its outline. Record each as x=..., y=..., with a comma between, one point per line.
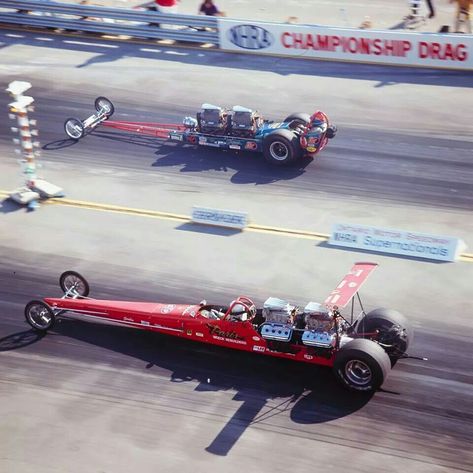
x=314, y=326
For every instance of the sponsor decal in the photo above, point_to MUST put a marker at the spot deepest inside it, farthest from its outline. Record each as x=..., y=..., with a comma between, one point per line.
x=311, y=149
x=219, y=217
x=250, y=37
x=251, y=145
x=167, y=308
x=256, y=339
x=189, y=311
x=216, y=330
x=234, y=146
x=400, y=242
x=199, y=334
x=176, y=137
x=144, y=322
x=258, y=348
x=308, y=357
x=128, y=319
x=345, y=237
x=202, y=140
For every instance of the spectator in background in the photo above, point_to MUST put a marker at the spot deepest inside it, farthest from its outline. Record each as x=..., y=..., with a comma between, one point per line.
x=209, y=8
x=166, y=6
x=463, y=14
x=430, y=5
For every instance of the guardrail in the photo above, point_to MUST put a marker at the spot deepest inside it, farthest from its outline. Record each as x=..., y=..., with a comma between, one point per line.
x=115, y=21
x=447, y=51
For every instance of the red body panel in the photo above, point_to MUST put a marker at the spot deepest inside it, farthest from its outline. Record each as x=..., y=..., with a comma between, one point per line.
x=350, y=284
x=159, y=130
x=184, y=321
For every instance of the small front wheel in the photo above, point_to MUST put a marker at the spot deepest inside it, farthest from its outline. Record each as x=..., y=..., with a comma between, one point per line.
x=362, y=365
x=73, y=282
x=39, y=315
x=74, y=128
x=104, y=105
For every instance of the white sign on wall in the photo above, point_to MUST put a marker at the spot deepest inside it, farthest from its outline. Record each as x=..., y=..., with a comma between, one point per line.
x=322, y=42
x=399, y=242
x=222, y=218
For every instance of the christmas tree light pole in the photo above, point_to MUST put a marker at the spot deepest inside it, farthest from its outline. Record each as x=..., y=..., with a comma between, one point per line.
x=34, y=188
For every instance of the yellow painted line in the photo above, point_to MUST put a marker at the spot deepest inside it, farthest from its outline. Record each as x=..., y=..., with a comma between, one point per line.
x=288, y=232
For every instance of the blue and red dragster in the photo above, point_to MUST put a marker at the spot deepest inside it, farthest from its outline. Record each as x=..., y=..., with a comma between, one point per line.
x=240, y=128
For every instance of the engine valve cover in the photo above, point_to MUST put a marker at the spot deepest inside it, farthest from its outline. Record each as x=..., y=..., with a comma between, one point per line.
x=318, y=339
x=279, y=332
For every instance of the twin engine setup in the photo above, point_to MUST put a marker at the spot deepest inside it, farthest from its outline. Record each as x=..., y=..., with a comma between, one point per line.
x=239, y=121
x=315, y=326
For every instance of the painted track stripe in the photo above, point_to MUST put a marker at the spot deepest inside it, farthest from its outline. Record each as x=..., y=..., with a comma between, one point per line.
x=289, y=232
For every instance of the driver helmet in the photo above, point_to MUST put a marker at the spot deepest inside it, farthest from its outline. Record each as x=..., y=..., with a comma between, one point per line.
x=317, y=119
x=239, y=311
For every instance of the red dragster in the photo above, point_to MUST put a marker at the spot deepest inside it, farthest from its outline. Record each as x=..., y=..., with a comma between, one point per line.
x=361, y=350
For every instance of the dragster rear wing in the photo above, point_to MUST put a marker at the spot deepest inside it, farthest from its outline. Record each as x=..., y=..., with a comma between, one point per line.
x=350, y=285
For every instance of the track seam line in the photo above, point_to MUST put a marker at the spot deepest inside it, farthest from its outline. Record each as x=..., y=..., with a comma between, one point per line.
x=467, y=257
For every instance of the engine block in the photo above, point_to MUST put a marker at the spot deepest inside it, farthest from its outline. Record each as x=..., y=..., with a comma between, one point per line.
x=319, y=339
x=274, y=331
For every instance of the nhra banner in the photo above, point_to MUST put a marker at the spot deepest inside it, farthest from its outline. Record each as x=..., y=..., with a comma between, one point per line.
x=397, y=242
x=321, y=42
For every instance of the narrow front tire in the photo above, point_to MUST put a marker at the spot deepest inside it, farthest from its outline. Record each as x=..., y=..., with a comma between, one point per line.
x=73, y=282
x=74, y=128
x=39, y=315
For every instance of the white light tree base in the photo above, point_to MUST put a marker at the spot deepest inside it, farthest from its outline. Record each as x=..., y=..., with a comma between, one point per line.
x=24, y=196
x=46, y=189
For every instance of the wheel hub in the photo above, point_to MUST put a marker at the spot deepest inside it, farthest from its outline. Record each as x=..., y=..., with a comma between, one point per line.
x=358, y=372
x=279, y=151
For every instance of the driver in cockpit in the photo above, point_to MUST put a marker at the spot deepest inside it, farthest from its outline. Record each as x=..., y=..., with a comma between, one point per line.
x=238, y=313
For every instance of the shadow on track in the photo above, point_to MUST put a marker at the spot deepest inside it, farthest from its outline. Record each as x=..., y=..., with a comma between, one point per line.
x=20, y=340
x=105, y=52
x=59, y=144
x=265, y=388
x=8, y=206
x=251, y=168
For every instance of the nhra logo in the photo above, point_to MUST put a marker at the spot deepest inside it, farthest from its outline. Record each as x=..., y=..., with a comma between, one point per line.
x=250, y=37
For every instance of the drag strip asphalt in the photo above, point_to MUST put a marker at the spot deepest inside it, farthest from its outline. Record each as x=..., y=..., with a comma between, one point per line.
x=89, y=397
x=156, y=391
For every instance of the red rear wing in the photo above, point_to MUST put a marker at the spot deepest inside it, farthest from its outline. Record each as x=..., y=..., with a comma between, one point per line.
x=350, y=284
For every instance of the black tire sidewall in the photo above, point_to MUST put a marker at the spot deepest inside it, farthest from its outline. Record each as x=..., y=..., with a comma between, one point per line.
x=384, y=319
x=82, y=128
x=41, y=303
x=97, y=108
x=303, y=117
x=369, y=353
x=286, y=137
x=65, y=274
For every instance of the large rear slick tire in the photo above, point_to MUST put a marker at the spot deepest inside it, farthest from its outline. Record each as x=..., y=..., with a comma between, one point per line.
x=72, y=280
x=361, y=365
x=281, y=147
x=300, y=118
x=395, y=333
x=39, y=315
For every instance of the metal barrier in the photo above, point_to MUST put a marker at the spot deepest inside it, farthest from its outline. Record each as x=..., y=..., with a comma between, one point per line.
x=115, y=21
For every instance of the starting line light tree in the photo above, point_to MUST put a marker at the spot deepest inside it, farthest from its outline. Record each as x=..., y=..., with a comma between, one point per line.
x=34, y=188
